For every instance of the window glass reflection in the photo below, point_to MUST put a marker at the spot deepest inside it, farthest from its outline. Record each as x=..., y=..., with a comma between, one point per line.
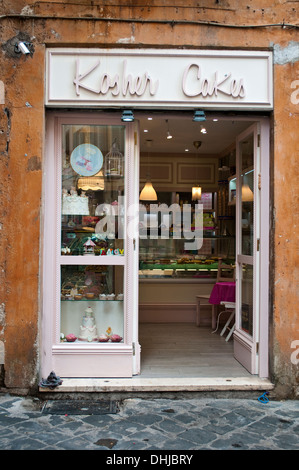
x=247, y=182
x=92, y=203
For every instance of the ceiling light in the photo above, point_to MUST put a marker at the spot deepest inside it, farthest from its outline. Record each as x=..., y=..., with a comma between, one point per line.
x=203, y=130
x=168, y=136
x=148, y=192
x=199, y=116
x=196, y=193
x=247, y=194
x=196, y=190
x=127, y=116
x=197, y=144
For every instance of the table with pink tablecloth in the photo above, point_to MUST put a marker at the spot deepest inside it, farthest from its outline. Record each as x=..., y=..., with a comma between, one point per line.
x=223, y=291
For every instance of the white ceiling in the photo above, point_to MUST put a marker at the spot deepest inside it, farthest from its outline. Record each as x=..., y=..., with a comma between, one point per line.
x=220, y=134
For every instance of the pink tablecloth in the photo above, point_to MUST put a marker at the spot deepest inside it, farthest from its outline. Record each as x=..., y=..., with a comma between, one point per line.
x=223, y=291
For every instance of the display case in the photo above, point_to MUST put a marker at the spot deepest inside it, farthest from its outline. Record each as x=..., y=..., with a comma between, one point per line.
x=92, y=303
x=168, y=258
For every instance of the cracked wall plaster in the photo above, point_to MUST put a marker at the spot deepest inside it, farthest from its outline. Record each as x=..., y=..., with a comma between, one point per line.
x=286, y=55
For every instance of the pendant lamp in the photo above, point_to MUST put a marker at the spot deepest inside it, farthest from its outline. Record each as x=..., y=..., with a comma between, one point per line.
x=247, y=194
x=148, y=192
x=196, y=193
x=196, y=190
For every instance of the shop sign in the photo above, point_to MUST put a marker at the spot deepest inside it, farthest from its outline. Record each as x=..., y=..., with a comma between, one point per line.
x=142, y=78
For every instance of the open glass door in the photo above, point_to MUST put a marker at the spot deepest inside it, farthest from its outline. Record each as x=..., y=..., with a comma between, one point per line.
x=89, y=279
x=246, y=336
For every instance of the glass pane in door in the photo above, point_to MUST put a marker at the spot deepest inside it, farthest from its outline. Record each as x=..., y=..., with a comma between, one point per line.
x=92, y=190
x=246, y=314
x=246, y=334
x=246, y=208
x=247, y=195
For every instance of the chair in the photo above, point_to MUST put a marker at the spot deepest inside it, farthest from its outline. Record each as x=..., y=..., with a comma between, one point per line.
x=203, y=301
x=225, y=273
x=229, y=307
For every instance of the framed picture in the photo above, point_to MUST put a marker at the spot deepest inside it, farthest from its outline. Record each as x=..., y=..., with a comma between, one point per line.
x=87, y=160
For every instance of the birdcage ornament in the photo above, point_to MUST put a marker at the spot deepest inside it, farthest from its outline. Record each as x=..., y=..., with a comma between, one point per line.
x=89, y=247
x=114, y=162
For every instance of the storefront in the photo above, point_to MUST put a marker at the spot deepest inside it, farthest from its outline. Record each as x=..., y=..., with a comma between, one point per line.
x=108, y=270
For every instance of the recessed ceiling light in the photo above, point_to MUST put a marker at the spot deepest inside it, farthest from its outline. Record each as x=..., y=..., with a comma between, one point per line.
x=145, y=130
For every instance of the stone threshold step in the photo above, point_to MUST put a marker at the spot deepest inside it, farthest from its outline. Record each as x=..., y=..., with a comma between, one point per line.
x=180, y=384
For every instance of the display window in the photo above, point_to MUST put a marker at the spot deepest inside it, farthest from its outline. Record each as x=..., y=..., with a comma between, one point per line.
x=92, y=213
x=92, y=225
x=88, y=257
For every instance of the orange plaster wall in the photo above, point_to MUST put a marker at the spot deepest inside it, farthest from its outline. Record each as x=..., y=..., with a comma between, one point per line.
x=20, y=215
x=286, y=223
x=22, y=141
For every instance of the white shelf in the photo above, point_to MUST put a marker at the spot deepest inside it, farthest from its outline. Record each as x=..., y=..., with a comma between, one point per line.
x=107, y=260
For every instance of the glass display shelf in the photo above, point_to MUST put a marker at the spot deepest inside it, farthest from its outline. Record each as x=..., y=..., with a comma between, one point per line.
x=92, y=302
x=82, y=235
x=177, y=271
x=96, y=323
x=84, y=299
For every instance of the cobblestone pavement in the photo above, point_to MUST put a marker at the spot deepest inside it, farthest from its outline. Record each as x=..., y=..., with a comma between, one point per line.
x=152, y=424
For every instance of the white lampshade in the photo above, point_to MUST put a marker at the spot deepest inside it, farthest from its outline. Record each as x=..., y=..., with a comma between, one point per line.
x=247, y=194
x=196, y=193
x=148, y=193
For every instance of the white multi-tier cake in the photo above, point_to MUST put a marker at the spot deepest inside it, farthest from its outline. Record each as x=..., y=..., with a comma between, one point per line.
x=88, y=329
x=73, y=204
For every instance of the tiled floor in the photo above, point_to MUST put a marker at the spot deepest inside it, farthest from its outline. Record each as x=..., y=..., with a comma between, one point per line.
x=177, y=358
x=185, y=350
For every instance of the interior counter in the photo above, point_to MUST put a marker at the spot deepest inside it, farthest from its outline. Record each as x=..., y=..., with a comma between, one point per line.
x=172, y=300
